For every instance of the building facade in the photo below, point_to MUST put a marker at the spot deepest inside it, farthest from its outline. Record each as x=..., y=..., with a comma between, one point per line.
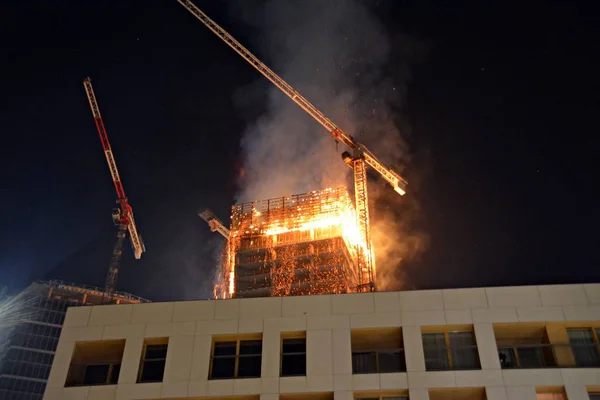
x=27, y=348
x=501, y=343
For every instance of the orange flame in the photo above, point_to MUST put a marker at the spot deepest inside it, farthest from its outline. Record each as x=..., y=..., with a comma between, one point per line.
x=316, y=215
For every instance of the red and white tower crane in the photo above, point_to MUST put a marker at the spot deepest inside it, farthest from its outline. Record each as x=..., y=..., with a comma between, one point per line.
x=358, y=159
x=123, y=215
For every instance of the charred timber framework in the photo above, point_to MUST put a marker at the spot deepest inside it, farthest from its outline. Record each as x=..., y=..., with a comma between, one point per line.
x=300, y=244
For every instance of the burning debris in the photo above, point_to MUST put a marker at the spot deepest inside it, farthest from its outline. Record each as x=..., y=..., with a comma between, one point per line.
x=301, y=244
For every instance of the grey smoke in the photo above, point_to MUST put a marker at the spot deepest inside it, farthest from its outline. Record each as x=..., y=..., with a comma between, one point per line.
x=338, y=54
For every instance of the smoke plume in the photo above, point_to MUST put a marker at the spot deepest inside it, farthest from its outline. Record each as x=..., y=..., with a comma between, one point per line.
x=340, y=57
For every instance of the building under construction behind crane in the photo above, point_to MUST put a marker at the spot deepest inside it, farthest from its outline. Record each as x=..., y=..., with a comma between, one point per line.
x=28, y=344
x=295, y=245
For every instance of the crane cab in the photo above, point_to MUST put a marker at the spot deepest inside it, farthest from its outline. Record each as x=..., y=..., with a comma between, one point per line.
x=116, y=216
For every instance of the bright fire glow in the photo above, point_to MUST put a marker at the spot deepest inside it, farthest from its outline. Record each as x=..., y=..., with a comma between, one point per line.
x=284, y=221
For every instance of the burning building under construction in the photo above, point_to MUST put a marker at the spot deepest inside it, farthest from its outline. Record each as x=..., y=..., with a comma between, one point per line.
x=301, y=244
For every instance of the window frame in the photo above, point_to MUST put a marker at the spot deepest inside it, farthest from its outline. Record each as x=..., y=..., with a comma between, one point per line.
x=109, y=373
x=595, y=338
x=143, y=360
x=93, y=353
x=448, y=349
x=236, y=357
x=293, y=337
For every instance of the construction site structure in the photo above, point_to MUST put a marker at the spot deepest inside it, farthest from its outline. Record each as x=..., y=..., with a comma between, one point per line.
x=27, y=347
x=214, y=223
x=295, y=245
x=122, y=216
x=358, y=160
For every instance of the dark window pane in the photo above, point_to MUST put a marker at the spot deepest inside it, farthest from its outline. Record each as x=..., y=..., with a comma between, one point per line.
x=156, y=351
x=461, y=339
x=114, y=375
x=434, y=348
x=531, y=357
x=364, y=363
x=223, y=367
x=225, y=349
x=293, y=365
x=465, y=358
x=249, y=366
x=294, y=346
x=507, y=357
x=251, y=347
x=95, y=375
x=391, y=362
x=584, y=349
x=153, y=371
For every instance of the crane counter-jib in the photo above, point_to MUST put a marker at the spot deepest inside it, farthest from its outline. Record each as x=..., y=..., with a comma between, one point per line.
x=388, y=174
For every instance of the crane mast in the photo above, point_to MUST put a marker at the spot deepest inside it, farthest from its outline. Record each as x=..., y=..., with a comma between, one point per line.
x=123, y=216
x=360, y=158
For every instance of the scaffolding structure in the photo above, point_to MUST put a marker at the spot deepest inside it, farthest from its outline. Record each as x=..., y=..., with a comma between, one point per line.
x=300, y=244
x=28, y=345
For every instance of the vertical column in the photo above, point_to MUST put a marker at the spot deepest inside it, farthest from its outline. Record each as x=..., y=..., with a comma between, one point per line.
x=413, y=348
x=342, y=352
x=418, y=394
x=179, y=359
x=342, y=395
x=271, y=354
x=200, y=358
x=495, y=393
x=61, y=364
x=521, y=393
x=319, y=360
x=577, y=392
x=486, y=346
x=131, y=360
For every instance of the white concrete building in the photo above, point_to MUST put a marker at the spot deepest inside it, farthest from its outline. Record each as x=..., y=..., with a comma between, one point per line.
x=505, y=343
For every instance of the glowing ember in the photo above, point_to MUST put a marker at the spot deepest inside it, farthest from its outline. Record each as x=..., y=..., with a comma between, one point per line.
x=300, y=244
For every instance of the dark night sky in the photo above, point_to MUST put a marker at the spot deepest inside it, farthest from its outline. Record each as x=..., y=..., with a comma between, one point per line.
x=503, y=143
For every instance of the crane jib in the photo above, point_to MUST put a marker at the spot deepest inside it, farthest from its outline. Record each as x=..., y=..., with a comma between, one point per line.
x=389, y=175
x=126, y=219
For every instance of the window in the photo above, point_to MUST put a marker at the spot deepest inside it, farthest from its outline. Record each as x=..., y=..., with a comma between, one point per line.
x=457, y=394
x=377, y=351
x=450, y=351
x=96, y=363
x=551, y=396
x=584, y=345
x=551, y=393
x=236, y=359
x=154, y=356
x=526, y=346
x=293, y=357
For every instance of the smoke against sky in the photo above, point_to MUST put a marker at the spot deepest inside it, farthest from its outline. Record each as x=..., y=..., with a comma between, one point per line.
x=338, y=55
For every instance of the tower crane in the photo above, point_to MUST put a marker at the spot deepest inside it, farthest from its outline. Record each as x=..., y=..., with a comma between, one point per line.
x=123, y=215
x=357, y=160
